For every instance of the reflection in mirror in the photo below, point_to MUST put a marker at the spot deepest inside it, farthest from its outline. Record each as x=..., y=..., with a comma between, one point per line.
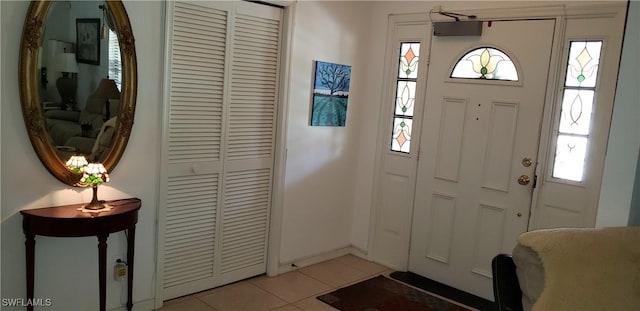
x=80, y=67
x=77, y=82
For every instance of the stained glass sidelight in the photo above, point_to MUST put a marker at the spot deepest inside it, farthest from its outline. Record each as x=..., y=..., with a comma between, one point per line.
x=409, y=56
x=575, y=116
x=485, y=63
x=401, y=134
x=570, y=155
x=405, y=98
x=406, y=83
x=578, y=99
x=584, y=58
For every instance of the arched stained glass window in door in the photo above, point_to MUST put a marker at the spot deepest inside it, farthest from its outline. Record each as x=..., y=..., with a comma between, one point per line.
x=485, y=63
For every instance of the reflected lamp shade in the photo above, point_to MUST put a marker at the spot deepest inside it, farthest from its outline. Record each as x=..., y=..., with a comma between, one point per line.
x=107, y=89
x=66, y=62
x=77, y=164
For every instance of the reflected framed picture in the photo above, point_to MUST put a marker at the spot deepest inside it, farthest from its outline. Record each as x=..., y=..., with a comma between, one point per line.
x=88, y=40
x=330, y=94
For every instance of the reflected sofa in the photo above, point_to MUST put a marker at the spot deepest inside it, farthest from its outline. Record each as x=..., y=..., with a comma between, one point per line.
x=65, y=127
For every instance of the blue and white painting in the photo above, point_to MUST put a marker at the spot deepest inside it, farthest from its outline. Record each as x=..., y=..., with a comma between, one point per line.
x=330, y=94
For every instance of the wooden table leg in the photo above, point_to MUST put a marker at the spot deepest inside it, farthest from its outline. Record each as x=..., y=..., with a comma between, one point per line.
x=30, y=244
x=131, y=238
x=102, y=269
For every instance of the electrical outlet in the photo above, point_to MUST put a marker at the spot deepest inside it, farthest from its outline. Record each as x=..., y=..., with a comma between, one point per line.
x=120, y=270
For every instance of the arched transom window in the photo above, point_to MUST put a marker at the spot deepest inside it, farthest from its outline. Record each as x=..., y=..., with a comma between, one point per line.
x=485, y=63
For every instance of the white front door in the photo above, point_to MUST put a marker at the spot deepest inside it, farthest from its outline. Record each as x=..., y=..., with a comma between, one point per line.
x=478, y=138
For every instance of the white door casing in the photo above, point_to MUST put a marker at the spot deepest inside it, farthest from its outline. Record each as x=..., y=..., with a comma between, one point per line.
x=469, y=205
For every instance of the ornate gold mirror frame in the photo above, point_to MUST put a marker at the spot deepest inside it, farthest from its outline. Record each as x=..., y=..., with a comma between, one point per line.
x=31, y=102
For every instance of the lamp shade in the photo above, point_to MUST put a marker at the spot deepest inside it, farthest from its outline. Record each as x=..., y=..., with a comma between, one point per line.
x=107, y=89
x=66, y=62
x=94, y=174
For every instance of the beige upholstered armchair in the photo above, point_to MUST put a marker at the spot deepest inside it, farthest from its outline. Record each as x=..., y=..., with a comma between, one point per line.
x=571, y=269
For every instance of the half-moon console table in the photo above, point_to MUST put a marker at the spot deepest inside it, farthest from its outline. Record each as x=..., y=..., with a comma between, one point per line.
x=69, y=221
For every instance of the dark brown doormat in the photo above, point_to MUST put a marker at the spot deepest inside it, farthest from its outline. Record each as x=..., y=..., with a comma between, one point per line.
x=383, y=294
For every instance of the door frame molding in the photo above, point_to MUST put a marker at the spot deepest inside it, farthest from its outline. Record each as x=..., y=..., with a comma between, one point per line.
x=561, y=13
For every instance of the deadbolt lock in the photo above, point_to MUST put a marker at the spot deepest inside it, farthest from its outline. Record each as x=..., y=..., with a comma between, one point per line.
x=526, y=162
x=524, y=180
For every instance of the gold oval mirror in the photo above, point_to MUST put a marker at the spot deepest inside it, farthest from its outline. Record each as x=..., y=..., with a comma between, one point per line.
x=78, y=82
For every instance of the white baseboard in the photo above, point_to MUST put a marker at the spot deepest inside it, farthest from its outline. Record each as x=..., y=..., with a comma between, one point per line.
x=285, y=267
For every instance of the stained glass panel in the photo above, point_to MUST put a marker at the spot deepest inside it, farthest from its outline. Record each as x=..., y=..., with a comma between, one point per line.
x=582, y=68
x=485, y=63
x=406, y=84
x=405, y=98
x=577, y=106
x=570, y=156
x=575, y=116
x=409, y=57
x=401, y=138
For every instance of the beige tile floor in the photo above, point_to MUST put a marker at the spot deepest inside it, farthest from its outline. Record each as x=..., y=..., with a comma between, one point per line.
x=292, y=291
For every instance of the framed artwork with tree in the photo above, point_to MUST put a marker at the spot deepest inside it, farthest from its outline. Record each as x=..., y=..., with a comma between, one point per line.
x=330, y=94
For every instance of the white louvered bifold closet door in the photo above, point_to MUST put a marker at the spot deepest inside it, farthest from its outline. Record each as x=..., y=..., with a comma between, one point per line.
x=223, y=69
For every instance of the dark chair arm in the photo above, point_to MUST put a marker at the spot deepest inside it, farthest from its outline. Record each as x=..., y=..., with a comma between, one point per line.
x=506, y=288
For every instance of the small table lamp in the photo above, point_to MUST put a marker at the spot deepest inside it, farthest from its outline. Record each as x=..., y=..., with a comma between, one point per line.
x=109, y=90
x=94, y=174
x=66, y=85
x=77, y=163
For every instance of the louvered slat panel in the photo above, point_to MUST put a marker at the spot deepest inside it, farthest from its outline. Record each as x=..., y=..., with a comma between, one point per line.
x=253, y=88
x=190, y=228
x=244, y=219
x=197, y=83
x=211, y=86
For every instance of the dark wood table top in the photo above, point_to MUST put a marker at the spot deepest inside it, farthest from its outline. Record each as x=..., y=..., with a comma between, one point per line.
x=73, y=211
x=71, y=220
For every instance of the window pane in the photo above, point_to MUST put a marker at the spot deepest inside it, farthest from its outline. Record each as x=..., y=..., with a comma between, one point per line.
x=575, y=117
x=584, y=58
x=115, y=62
x=570, y=156
x=485, y=63
x=401, y=135
x=409, y=56
x=405, y=98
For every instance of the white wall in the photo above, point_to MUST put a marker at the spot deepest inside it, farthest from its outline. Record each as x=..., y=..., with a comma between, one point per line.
x=90, y=75
x=624, y=137
x=66, y=268
x=321, y=161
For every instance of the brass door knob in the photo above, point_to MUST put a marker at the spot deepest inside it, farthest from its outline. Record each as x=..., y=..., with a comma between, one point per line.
x=526, y=162
x=524, y=180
